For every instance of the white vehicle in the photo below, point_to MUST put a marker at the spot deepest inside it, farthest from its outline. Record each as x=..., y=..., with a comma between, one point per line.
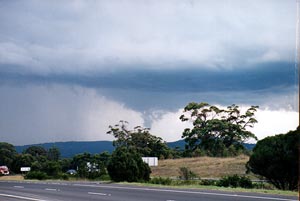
x=4, y=170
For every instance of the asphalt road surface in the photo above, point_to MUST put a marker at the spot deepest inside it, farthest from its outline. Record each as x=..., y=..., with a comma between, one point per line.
x=71, y=191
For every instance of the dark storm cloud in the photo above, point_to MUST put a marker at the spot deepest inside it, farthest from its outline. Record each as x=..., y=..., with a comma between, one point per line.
x=261, y=77
x=170, y=89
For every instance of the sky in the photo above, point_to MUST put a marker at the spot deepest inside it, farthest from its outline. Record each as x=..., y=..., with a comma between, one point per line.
x=69, y=69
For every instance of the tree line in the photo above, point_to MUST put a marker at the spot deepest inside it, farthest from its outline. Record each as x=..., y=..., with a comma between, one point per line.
x=216, y=132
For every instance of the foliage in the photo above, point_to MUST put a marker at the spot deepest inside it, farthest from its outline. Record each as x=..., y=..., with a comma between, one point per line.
x=90, y=166
x=36, y=151
x=7, y=154
x=65, y=164
x=22, y=160
x=186, y=174
x=64, y=176
x=47, y=164
x=235, y=181
x=174, y=153
x=39, y=163
x=277, y=159
x=104, y=157
x=216, y=130
x=139, y=139
x=53, y=154
x=161, y=181
x=127, y=165
x=52, y=168
x=36, y=175
x=207, y=182
x=40, y=175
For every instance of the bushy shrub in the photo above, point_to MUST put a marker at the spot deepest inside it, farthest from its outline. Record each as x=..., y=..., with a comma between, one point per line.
x=207, y=182
x=186, y=182
x=161, y=181
x=276, y=158
x=105, y=177
x=186, y=174
x=36, y=175
x=127, y=165
x=227, y=181
x=245, y=182
x=63, y=176
x=235, y=181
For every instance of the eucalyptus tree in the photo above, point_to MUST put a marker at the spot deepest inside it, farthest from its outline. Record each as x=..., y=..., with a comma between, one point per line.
x=216, y=130
x=139, y=139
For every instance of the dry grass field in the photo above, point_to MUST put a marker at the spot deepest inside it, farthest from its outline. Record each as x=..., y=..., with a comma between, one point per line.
x=204, y=167
x=12, y=178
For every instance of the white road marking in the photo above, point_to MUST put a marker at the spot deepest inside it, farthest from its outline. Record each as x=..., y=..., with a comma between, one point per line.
x=51, y=189
x=187, y=192
x=18, y=186
x=92, y=193
x=21, y=197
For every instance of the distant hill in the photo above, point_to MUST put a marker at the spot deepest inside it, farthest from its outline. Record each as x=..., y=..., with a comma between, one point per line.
x=181, y=144
x=249, y=146
x=69, y=149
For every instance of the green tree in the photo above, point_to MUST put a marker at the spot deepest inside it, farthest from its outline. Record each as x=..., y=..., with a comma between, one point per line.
x=22, y=160
x=36, y=151
x=66, y=164
x=104, y=157
x=7, y=154
x=139, y=139
x=277, y=159
x=215, y=130
x=79, y=163
x=53, y=154
x=127, y=165
x=89, y=166
x=39, y=163
x=52, y=168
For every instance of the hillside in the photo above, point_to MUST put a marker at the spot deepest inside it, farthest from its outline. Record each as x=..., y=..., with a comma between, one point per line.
x=69, y=149
x=204, y=167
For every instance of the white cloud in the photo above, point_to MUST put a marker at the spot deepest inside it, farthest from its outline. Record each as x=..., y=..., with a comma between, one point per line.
x=168, y=126
x=36, y=114
x=270, y=122
x=273, y=122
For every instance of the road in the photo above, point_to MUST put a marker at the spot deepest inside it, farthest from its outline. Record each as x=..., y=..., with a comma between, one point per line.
x=73, y=191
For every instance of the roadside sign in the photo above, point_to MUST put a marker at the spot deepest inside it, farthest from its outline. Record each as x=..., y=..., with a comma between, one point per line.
x=25, y=169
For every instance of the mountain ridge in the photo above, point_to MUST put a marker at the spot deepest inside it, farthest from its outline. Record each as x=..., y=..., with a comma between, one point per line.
x=70, y=148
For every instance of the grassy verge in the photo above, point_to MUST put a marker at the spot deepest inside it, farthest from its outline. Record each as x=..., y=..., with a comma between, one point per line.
x=227, y=189
x=199, y=187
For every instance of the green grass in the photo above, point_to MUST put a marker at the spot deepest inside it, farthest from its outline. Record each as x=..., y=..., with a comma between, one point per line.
x=227, y=189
